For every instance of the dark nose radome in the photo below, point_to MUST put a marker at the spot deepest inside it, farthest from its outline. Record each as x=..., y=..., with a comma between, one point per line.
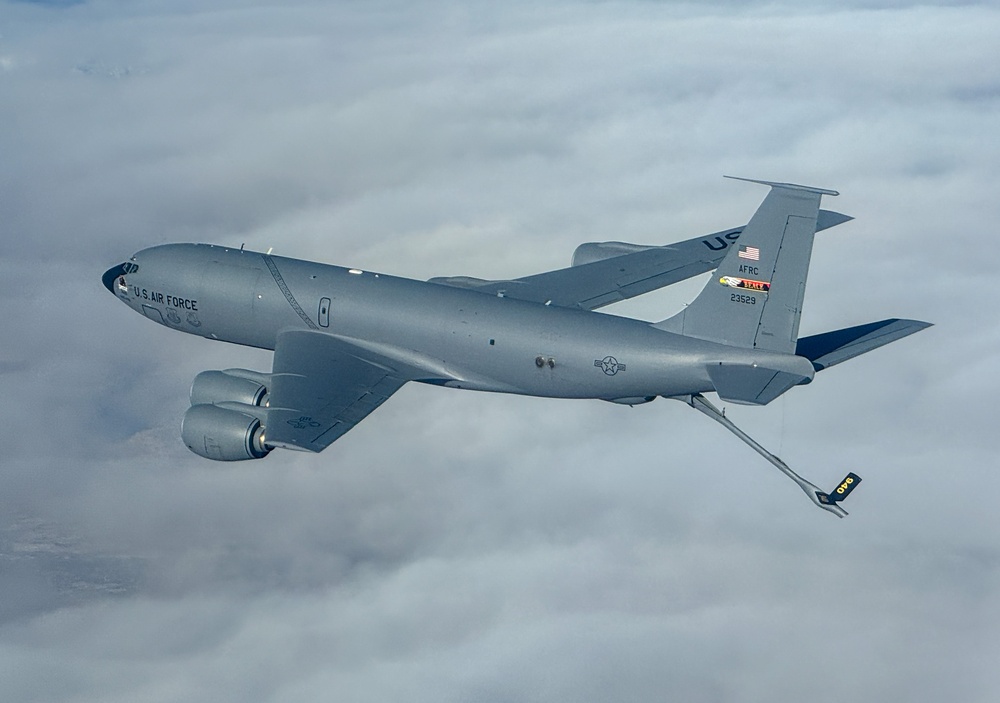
x=111, y=275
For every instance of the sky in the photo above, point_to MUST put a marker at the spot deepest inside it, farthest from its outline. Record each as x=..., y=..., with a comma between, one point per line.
x=460, y=546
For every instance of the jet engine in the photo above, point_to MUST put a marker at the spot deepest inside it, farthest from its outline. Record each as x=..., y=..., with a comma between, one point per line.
x=231, y=385
x=227, y=416
x=227, y=432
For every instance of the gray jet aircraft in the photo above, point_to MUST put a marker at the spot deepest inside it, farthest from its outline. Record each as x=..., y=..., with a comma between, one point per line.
x=345, y=340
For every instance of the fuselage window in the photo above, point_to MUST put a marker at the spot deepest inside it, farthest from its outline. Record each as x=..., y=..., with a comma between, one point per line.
x=324, y=312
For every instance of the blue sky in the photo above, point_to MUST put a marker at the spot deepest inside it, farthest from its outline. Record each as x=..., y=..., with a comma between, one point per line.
x=461, y=546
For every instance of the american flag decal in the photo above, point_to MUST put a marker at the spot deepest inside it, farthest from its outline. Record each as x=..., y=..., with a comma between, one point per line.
x=752, y=253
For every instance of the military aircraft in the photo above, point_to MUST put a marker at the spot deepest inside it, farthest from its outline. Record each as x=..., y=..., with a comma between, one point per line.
x=345, y=339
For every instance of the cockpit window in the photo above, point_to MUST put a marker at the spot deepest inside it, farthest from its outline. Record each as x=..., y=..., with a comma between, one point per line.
x=126, y=268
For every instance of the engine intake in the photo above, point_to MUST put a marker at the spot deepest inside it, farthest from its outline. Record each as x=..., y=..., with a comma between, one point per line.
x=226, y=432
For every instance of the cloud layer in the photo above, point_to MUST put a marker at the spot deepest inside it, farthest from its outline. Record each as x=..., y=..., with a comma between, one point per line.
x=459, y=546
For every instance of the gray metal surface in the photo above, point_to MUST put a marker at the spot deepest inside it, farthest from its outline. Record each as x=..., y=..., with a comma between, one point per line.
x=831, y=348
x=609, y=272
x=321, y=387
x=754, y=300
x=345, y=340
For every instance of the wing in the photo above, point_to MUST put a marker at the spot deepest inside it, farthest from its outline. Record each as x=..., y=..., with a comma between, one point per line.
x=321, y=387
x=609, y=272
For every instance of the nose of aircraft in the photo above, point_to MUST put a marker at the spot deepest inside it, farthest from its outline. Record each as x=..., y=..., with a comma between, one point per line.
x=111, y=275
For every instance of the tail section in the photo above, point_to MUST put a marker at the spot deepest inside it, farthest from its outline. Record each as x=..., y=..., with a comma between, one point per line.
x=754, y=299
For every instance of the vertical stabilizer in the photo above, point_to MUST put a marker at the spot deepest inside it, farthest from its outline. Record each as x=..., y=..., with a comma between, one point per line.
x=754, y=298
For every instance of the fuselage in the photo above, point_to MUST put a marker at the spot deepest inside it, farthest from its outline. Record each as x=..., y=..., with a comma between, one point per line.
x=447, y=335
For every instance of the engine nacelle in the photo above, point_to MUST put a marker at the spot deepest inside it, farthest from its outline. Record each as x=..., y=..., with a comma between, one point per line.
x=590, y=252
x=231, y=385
x=228, y=432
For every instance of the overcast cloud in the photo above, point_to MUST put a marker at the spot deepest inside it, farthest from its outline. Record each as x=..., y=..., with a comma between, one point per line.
x=473, y=547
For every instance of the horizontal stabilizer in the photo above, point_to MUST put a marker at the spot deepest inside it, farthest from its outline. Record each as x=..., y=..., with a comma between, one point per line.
x=786, y=186
x=831, y=348
x=753, y=384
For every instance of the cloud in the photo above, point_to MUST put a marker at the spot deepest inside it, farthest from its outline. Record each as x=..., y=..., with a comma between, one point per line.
x=460, y=546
